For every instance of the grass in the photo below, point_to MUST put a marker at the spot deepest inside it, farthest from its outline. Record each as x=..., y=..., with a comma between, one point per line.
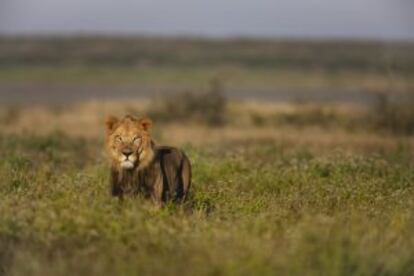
x=252, y=53
x=241, y=63
x=287, y=189
x=199, y=76
x=256, y=208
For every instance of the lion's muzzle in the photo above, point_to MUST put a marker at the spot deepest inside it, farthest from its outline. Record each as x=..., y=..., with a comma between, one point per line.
x=127, y=158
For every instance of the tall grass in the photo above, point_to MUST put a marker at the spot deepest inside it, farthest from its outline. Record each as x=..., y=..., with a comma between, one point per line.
x=255, y=208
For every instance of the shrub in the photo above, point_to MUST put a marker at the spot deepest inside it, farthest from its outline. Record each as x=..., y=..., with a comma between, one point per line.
x=9, y=115
x=303, y=116
x=394, y=115
x=207, y=107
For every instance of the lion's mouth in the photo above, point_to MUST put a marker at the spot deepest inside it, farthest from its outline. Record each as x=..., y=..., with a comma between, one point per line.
x=128, y=162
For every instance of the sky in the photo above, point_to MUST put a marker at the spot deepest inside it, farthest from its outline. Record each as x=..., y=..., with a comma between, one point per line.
x=375, y=19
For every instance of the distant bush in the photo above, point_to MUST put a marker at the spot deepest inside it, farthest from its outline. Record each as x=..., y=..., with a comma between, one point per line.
x=9, y=115
x=394, y=115
x=388, y=113
x=309, y=116
x=304, y=116
x=207, y=107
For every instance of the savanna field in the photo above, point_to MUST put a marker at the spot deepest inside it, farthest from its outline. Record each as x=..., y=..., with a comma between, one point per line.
x=279, y=188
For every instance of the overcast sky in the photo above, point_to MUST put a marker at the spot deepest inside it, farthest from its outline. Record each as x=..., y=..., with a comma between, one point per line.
x=381, y=19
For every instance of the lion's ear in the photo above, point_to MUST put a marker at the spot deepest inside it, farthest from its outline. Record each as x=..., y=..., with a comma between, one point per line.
x=145, y=123
x=110, y=122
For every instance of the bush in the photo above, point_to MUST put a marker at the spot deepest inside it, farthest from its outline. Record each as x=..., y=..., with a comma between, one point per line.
x=9, y=115
x=394, y=115
x=309, y=116
x=207, y=107
x=303, y=116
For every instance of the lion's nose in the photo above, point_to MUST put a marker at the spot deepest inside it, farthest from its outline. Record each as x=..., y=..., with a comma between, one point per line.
x=127, y=152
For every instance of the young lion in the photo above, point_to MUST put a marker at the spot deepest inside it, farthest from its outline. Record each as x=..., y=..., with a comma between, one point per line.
x=139, y=166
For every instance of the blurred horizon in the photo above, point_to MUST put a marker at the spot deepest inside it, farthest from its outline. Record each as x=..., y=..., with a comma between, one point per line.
x=317, y=51
x=316, y=19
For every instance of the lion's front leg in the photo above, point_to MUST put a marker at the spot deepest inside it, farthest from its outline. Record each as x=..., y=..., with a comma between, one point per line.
x=158, y=189
x=115, y=183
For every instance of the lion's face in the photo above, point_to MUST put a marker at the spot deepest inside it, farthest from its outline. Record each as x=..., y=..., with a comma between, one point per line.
x=128, y=143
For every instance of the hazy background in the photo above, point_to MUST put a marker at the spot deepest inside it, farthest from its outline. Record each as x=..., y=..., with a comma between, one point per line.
x=297, y=116
x=317, y=51
x=379, y=19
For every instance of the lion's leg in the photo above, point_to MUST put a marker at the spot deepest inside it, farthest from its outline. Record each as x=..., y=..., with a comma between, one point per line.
x=185, y=177
x=115, y=183
x=158, y=190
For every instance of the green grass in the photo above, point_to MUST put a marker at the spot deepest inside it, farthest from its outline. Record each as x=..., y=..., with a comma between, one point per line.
x=256, y=209
x=327, y=55
x=189, y=61
x=200, y=76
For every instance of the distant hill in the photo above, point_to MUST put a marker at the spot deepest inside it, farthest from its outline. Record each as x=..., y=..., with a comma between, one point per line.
x=253, y=53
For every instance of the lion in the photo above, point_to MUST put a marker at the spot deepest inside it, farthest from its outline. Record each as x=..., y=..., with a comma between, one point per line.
x=140, y=166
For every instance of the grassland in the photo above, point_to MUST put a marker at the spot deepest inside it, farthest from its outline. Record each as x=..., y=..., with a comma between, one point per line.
x=132, y=51
x=285, y=199
x=279, y=188
x=241, y=62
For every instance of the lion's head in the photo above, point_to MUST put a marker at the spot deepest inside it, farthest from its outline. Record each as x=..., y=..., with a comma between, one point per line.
x=128, y=142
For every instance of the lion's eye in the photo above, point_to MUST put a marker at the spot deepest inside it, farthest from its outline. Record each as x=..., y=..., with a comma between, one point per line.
x=118, y=139
x=137, y=140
